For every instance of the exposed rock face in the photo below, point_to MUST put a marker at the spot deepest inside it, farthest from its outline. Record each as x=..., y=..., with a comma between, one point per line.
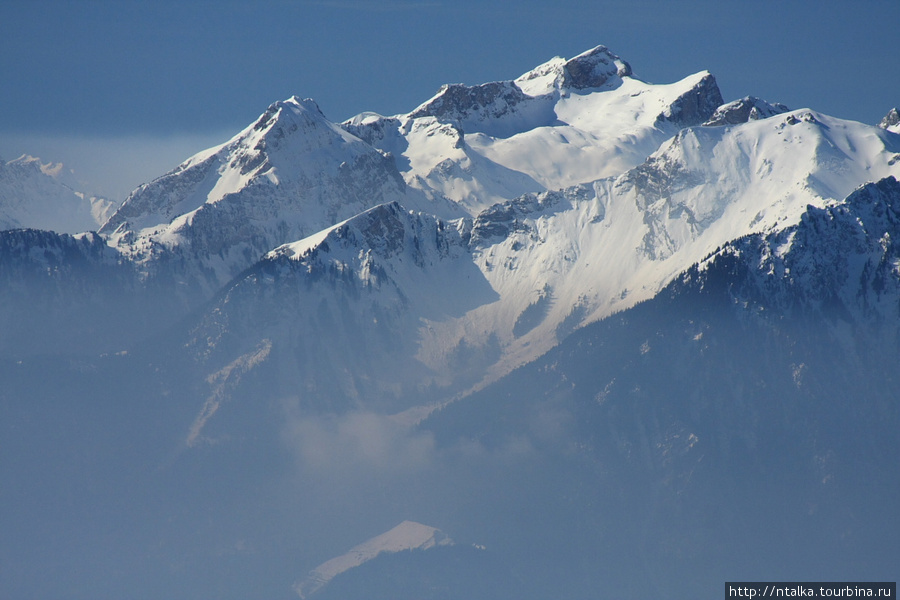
x=839, y=262
x=457, y=102
x=695, y=106
x=749, y=108
x=473, y=106
x=593, y=69
x=891, y=121
x=503, y=219
x=373, y=279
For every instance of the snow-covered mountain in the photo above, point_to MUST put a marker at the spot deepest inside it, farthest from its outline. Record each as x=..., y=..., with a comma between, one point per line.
x=288, y=175
x=36, y=195
x=598, y=326
x=343, y=309
x=293, y=172
x=411, y=295
x=838, y=263
x=566, y=122
x=597, y=249
x=753, y=398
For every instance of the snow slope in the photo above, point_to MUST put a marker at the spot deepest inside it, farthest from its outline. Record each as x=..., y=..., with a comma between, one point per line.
x=840, y=262
x=561, y=259
x=563, y=123
x=34, y=195
x=344, y=274
x=408, y=535
x=288, y=175
x=342, y=311
x=476, y=297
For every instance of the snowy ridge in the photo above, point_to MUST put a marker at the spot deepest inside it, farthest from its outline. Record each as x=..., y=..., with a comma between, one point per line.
x=588, y=190
x=408, y=535
x=561, y=124
x=64, y=293
x=375, y=279
x=389, y=244
x=559, y=260
x=34, y=195
x=42, y=250
x=518, y=309
x=289, y=174
x=507, y=285
x=840, y=260
x=749, y=108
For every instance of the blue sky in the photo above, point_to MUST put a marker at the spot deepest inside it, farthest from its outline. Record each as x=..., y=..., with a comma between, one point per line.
x=122, y=90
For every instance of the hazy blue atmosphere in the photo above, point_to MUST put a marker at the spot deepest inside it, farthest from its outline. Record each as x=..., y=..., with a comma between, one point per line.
x=581, y=329
x=123, y=90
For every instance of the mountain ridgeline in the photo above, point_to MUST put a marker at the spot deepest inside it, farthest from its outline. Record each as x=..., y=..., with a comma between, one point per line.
x=580, y=335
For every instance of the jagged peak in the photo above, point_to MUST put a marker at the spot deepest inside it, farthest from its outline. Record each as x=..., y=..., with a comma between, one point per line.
x=294, y=127
x=837, y=258
x=884, y=193
x=748, y=108
x=290, y=113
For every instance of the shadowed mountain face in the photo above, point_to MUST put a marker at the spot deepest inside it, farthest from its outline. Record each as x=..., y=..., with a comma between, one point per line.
x=742, y=420
x=571, y=335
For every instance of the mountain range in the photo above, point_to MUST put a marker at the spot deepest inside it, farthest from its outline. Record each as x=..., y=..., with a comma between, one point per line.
x=615, y=338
